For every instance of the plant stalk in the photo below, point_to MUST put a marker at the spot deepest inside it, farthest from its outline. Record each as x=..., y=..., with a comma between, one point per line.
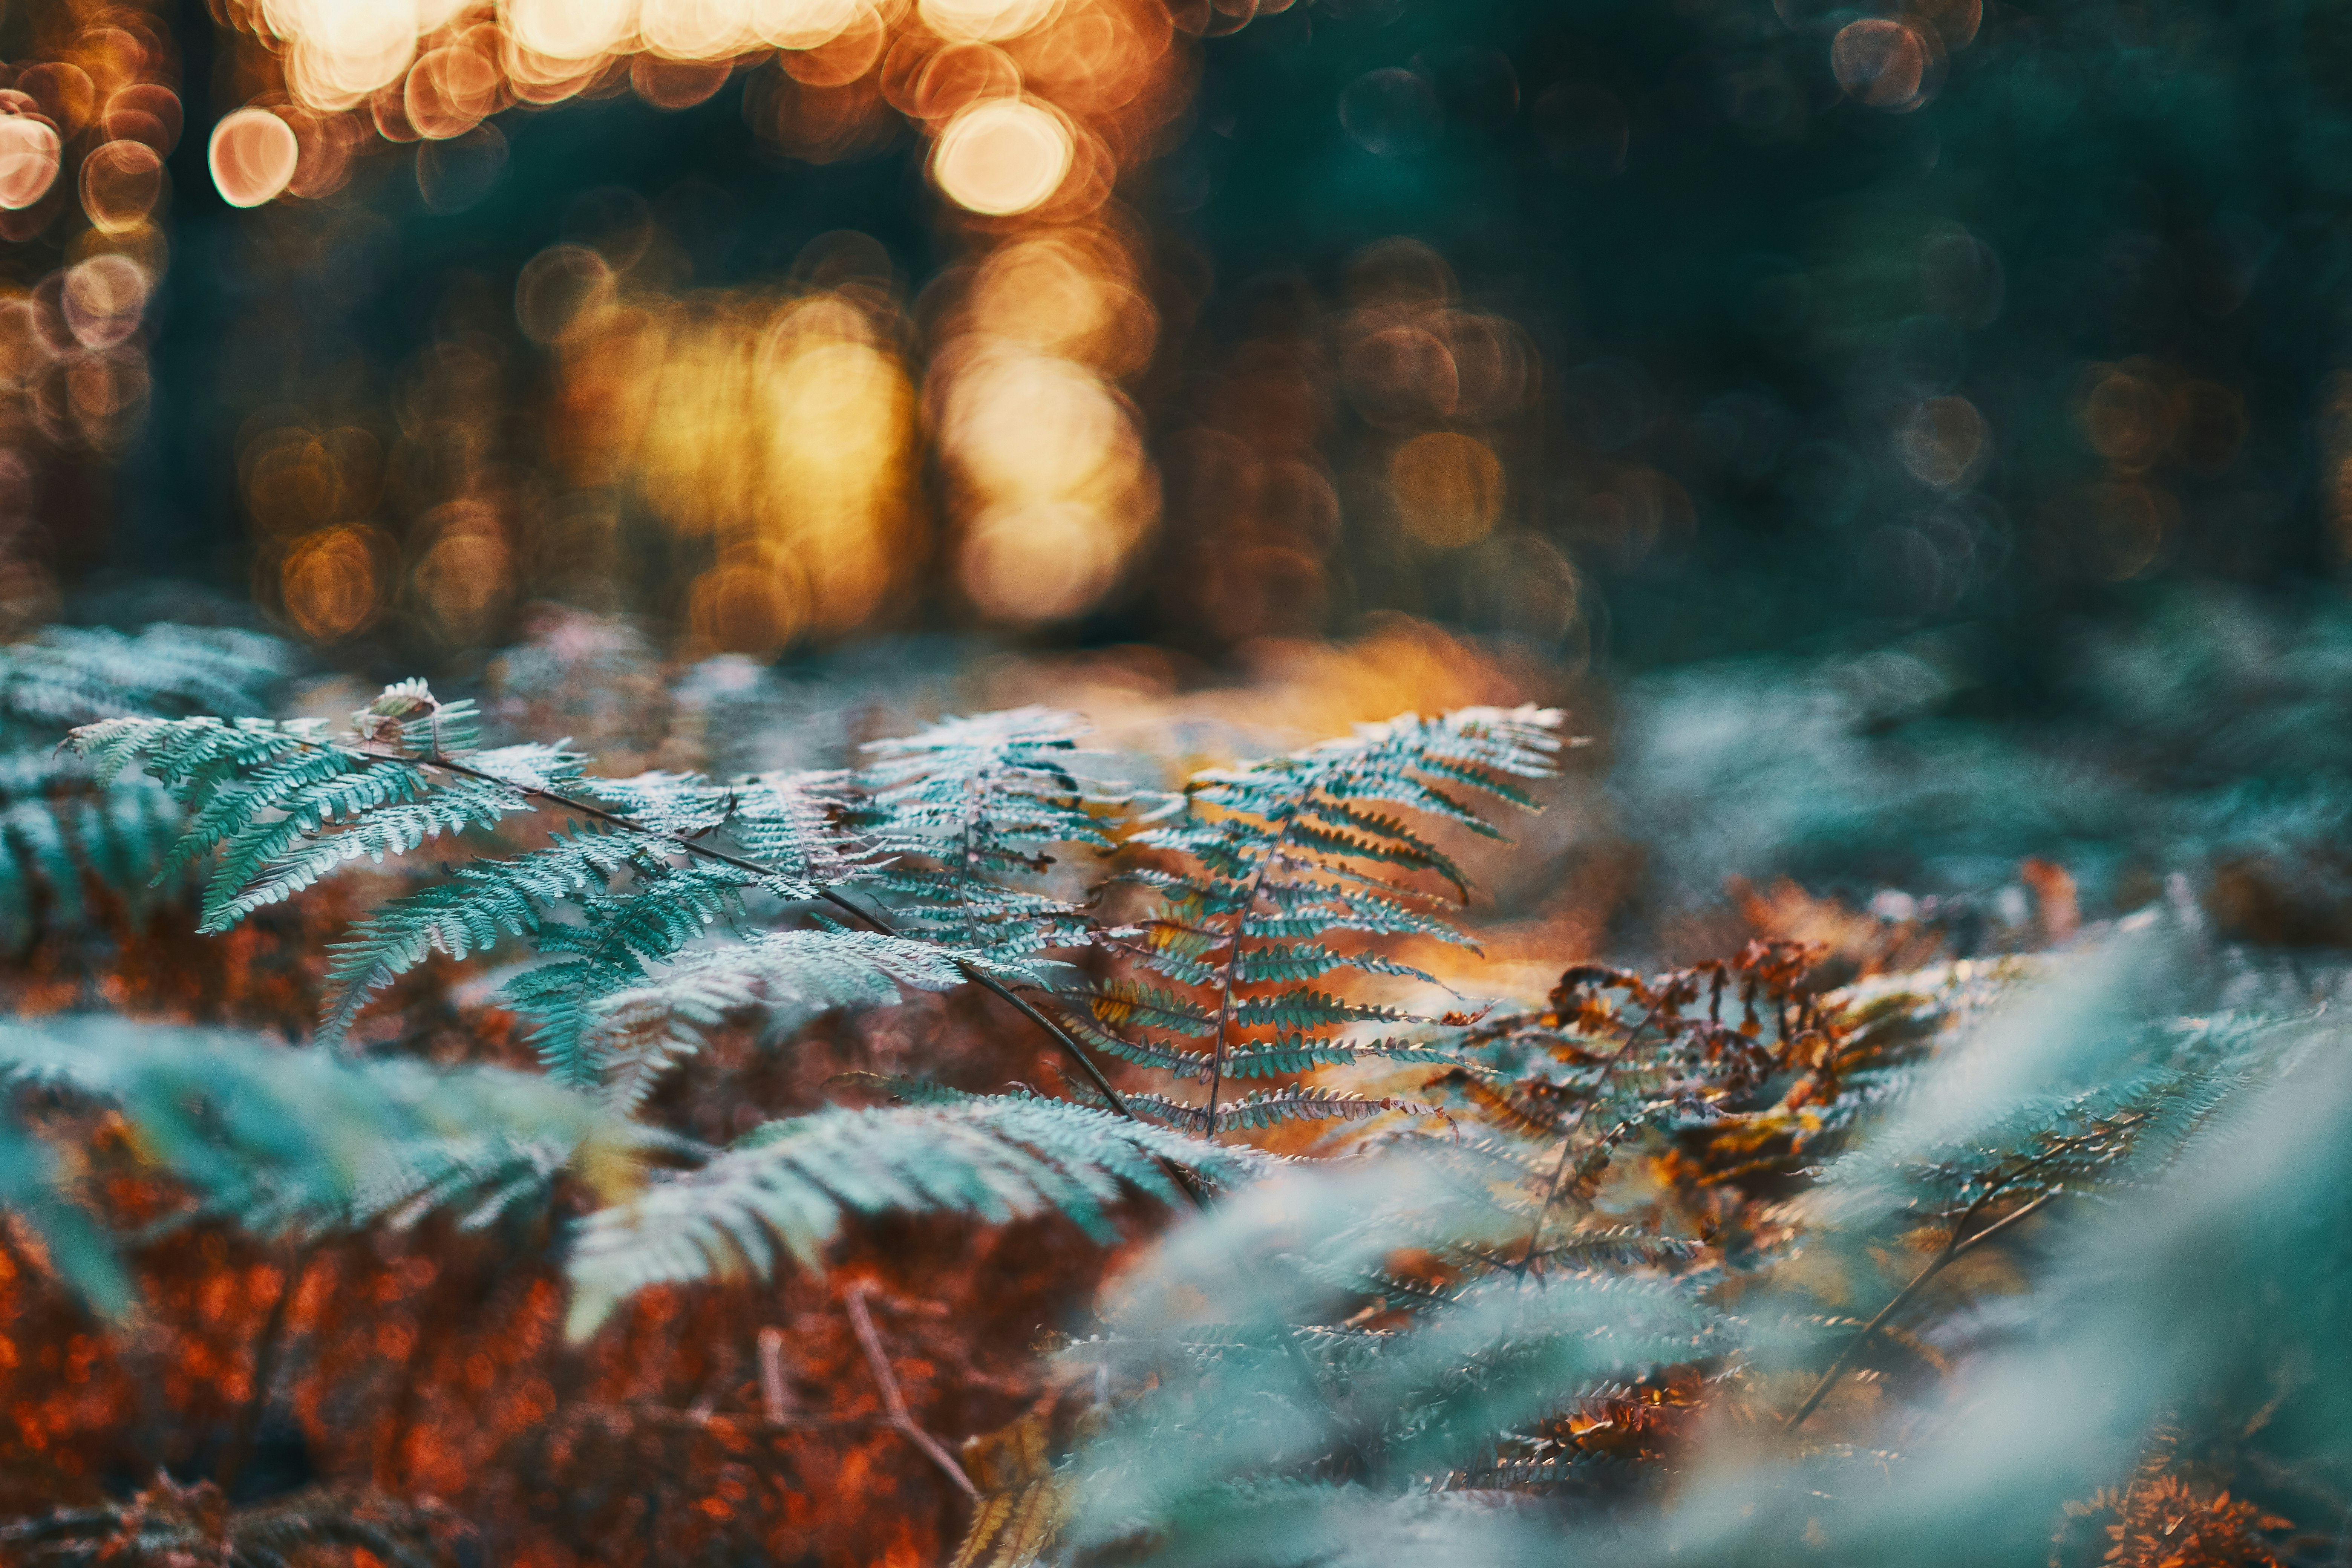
x=247, y=1430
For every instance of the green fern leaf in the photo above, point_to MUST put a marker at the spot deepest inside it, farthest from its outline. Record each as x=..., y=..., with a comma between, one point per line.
x=969, y=814
x=296, y=1141
x=785, y=978
x=1270, y=1108
x=785, y=1188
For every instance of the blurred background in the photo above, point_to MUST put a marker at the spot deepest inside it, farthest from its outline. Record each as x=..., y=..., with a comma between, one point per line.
x=1915, y=437
x=1913, y=440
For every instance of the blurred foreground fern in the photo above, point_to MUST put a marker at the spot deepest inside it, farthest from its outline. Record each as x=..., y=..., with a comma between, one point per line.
x=63, y=834
x=1717, y=1264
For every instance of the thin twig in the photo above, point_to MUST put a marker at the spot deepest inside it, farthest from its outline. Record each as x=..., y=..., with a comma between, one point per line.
x=893, y=1400
x=1952, y=1250
x=775, y=1394
x=721, y=1421
x=247, y=1429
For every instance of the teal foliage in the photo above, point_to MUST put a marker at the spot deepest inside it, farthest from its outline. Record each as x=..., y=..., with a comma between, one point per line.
x=786, y=1187
x=1270, y=1108
x=1273, y=1381
x=2205, y=734
x=293, y=1143
x=66, y=676
x=969, y=812
x=61, y=828
x=650, y=918
x=1270, y=877
x=2152, y=1135
x=280, y=806
x=635, y=896
x=1666, y=1195
x=785, y=979
x=664, y=906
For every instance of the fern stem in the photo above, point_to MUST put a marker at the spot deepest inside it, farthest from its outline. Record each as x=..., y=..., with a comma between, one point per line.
x=567, y=803
x=247, y=1429
x=1233, y=954
x=1952, y=1250
x=775, y=1394
x=893, y=1399
x=1225, y=998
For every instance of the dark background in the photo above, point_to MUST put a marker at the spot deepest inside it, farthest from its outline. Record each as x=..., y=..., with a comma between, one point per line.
x=1716, y=252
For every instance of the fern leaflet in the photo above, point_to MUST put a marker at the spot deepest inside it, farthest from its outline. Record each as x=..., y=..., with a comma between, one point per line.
x=968, y=812
x=1265, y=864
x=786, y=1186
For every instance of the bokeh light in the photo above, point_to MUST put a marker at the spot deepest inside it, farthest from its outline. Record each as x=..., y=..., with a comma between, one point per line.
x=1449, y=488
x=464, y=575
x=1042, y=450
x=120, y=184
x=780, y=431
x=1002, y=157
x=564, y=292
x=693, y=29
x=1044, y=562
x=803, y=23
x=984, y=20
x=146, y=112
x=569, y=30
x=452, y=89
x=691, y=401
x=1887, y=62
x=102, y=300
x=253, y=155
x=29, y=152
x=1248, y=453
x=331, y=583
x=1945, y=442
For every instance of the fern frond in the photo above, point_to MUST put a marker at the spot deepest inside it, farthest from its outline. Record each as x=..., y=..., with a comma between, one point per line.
x=493, y=899
x=194, y=757
x=2108, y=1138
x=1468, y=1362
x=906, y=1090
x=60, y=825
x=282, y=806
x=1279, y=1057
x=1268, y=865
x=787, y=1187
x=1270, y=1108
x=970, y=812
x=388, y=815
x=67, y=675
x=785, y=977
x=296, y=1141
